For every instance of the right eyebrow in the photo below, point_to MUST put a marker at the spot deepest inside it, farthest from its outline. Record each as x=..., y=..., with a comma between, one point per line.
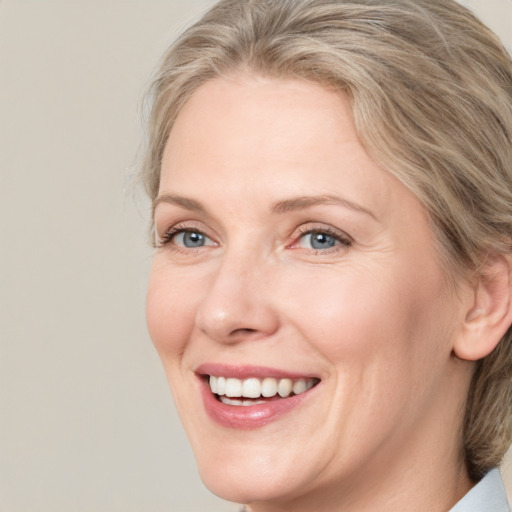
x=183, y=202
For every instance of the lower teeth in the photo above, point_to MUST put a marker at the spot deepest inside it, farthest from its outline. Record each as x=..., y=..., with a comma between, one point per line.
x=245, y=403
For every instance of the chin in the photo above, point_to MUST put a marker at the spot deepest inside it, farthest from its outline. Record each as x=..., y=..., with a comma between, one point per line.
x=249, y=482
x=247, y=467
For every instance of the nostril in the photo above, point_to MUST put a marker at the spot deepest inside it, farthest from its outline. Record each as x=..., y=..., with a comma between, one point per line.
x=244, y=331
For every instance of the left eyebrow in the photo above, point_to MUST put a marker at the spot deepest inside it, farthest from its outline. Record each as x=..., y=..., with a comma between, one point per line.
x=302, y=202
x=183, y=202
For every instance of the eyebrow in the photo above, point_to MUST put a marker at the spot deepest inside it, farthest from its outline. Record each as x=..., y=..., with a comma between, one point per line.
x=303, y=202
x=183, y=202
x=280, y=207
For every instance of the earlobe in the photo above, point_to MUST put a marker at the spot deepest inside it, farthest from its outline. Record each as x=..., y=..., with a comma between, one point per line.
x=490, y=313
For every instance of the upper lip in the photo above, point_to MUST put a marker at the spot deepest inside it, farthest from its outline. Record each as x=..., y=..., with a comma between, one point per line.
x=248, y=371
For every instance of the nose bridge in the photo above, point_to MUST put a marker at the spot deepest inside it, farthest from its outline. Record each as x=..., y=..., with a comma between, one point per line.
x=236, y=304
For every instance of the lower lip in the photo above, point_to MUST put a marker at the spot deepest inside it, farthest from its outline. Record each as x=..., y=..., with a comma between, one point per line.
x=251, y=416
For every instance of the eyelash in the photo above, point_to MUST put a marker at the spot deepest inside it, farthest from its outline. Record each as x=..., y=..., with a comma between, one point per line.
x=344, y=241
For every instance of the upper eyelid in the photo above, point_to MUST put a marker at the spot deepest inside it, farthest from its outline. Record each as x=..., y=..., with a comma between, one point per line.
x=313, y=227
x=165, y=222
x=182, y=226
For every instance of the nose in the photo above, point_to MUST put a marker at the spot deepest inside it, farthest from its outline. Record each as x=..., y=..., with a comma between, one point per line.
x=237, y=305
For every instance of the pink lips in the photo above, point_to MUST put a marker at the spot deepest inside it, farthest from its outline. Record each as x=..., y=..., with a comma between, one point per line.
x=247, y=417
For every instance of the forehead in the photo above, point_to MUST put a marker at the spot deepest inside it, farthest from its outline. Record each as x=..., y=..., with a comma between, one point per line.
x=255, y=138
x=283, y=117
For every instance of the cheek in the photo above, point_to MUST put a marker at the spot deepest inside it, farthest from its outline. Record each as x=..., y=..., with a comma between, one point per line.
x=385, y=338
x=360, y=314
x=169, y=311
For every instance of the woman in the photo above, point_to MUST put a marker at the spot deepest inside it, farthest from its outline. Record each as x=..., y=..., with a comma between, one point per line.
x=330, y=292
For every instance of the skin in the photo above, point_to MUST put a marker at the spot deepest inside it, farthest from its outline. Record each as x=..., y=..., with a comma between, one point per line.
x=375, y=318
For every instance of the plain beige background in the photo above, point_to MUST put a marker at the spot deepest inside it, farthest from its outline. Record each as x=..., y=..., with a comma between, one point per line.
x=86, y=420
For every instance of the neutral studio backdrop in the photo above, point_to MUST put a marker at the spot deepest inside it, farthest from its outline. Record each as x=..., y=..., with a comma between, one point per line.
x=86, y=420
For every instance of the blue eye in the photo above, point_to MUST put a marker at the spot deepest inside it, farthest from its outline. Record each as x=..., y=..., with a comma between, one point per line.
x=318, y=240
x=321, y=240
x=191, y=239
x=185, y=238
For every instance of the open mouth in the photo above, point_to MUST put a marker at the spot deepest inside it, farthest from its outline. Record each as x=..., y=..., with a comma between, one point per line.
x=255, y=391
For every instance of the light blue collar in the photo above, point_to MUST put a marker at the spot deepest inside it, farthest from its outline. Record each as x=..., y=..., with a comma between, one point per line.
x=488, y=495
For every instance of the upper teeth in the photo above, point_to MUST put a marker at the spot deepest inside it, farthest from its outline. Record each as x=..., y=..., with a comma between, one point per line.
x=254, y=388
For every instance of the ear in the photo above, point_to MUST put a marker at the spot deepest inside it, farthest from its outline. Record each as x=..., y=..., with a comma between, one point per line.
x=490, y=312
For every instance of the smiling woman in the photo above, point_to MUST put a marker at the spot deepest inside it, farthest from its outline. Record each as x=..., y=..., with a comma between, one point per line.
x=330, y=291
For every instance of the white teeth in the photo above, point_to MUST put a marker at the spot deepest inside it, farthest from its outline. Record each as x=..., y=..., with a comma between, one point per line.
x=254, y=388
x=285, y=387
x=233, y=387
x=245, y=403
x=299, y=386
x=213, y=384
x=221, y=386
x=269, y=387
x=251, y=388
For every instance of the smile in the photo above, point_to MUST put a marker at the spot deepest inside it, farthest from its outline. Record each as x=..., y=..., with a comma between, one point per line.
x=232, y=391
x=250, y=397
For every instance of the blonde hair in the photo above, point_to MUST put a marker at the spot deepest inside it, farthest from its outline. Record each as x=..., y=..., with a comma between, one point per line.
x=431, y=94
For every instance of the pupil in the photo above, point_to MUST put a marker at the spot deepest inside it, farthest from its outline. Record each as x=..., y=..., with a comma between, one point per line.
x=192, y=239
x=322, y=241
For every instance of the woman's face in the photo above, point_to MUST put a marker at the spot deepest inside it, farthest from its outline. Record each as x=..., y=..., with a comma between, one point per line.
x=288, y=260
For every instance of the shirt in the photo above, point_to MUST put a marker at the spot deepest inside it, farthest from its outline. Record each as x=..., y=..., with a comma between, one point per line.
x=488, y=495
